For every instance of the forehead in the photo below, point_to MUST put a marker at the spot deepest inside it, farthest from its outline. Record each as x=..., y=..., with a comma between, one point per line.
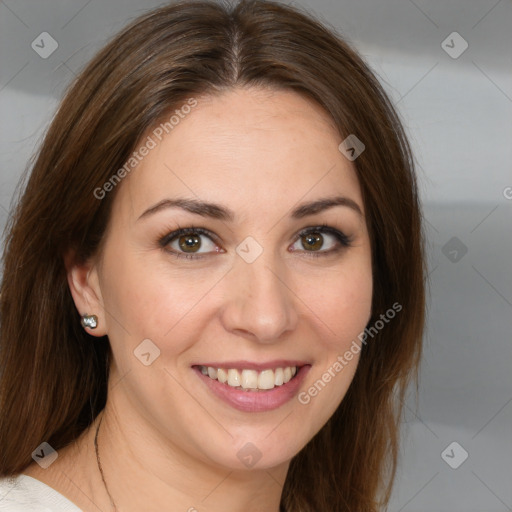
x=256, y=150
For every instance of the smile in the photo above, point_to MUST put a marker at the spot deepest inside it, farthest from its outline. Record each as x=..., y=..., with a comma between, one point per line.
x=251, y=380
x=253, y=387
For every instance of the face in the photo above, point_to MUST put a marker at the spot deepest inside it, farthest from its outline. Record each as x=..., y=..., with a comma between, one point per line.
x=267, y=286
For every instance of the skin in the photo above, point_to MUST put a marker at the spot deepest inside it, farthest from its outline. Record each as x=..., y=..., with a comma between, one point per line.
x=165, y=438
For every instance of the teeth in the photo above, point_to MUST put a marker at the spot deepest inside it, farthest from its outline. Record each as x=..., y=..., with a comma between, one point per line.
x=222, y=375
x=233, y=378
x=266, y=379
x=251, y=379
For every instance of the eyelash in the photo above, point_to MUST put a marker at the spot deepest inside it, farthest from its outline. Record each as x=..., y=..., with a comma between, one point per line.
x=343, y=240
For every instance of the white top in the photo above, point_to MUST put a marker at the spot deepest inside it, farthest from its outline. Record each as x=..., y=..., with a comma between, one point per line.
x=24, y=493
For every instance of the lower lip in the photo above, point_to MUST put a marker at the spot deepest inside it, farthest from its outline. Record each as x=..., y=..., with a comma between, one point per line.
x=256, y=401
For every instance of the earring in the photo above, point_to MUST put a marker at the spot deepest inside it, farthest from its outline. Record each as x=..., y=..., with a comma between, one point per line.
x=90, y=321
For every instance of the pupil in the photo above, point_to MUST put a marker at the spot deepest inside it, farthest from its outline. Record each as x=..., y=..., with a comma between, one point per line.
x=190, y=242
x=314, y=240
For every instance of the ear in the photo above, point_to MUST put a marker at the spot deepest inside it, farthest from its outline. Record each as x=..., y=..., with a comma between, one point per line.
x=84, y=284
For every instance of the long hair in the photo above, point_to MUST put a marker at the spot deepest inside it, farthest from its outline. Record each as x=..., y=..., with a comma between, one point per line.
x=53, y=377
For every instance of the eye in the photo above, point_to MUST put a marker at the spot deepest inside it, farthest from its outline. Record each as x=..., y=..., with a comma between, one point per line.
x=313, y=240
x=187, y=242
x=190, y=242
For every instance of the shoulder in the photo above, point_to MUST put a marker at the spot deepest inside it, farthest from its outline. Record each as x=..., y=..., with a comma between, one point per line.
x=24, y=493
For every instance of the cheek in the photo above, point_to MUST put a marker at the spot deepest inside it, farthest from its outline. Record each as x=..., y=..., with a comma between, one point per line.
x=145, y=299
x=342, y=311
x=352, y=309
x=342, y=304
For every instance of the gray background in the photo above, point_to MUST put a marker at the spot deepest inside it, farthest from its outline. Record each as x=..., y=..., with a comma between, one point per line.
x=458, y=112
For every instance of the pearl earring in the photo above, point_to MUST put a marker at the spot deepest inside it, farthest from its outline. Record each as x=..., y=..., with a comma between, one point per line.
x=90, y=321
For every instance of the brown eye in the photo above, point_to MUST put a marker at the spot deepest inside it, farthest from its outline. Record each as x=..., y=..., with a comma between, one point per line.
x=312, y=241
x=321, y=241
x=189, y=243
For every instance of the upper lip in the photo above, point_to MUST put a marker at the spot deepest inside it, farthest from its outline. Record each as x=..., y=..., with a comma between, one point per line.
x=251, y=365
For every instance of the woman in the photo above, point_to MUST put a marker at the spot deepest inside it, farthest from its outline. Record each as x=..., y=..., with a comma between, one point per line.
x=213, y=292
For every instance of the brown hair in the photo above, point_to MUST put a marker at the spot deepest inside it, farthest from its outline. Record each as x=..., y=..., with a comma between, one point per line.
x=53, y=379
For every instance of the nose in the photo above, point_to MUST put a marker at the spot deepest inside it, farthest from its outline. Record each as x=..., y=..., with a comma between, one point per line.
x=259, y=302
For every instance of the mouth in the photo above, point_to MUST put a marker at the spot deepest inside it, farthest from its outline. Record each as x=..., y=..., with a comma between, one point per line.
x=253, y=387
x=251, y=380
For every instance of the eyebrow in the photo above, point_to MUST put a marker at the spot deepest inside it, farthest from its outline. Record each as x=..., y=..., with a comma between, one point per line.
x=217, y=211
